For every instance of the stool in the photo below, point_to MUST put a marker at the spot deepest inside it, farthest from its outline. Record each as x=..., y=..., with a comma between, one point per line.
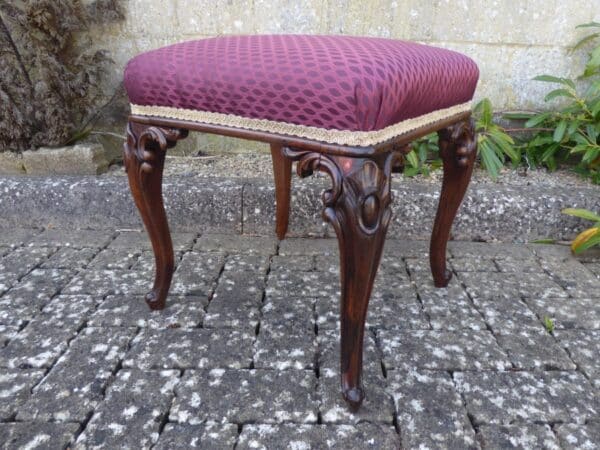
x=346, y=106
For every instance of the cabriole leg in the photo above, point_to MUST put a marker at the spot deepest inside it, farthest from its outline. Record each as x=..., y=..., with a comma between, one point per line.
x=458, y=148
x=144, y=155
x=358, y=207
x=282, y=171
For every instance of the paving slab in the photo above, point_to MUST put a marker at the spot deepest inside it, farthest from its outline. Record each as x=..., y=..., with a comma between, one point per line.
x=534, y=350
x=575, y=436
x=197, y=274
x=72, y=238
x=70, y=258
x=245, y=396
x=16, y=236
x=133, y=409
x=38, y=345
x=210, y=435
x=315, y=247
x=37, y=435
x=430, y=412
x=377, y=407
x=247, y=263
x=75, y=385
x=15, y=389
x=133, y=311
x=246, y=245
x=514, y=285
x=334, y=437
x=450, y=309
x=115, y=258
x=285, y=346
x=190, y=349
x=507, y=314
x=140, y=241
x=442, y=350
x=106, y=282
x=583, y=347
x=522, y=437
x=7, y=333
x=305, y=284
x=505, y=398
x=573, y=276
x=301, y=263
x=254, y=323
x=568, y=313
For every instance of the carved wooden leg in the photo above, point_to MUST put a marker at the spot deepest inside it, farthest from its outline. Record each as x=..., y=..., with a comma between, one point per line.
x=145, y=151
x=458, y=148
x=358, y=207
x=282, y=171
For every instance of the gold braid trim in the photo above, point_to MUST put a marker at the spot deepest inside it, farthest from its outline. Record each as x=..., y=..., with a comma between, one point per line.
x=341, y=137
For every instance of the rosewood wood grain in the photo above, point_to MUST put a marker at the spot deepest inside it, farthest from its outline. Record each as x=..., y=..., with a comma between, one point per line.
x=458, y=148
x=282, y=172
x=358, y=207
x=144, y=156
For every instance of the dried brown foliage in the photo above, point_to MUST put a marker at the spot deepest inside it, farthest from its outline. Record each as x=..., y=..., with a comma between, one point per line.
x=49, y=82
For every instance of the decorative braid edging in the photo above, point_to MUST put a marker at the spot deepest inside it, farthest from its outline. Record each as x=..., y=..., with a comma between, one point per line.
x=330, y=136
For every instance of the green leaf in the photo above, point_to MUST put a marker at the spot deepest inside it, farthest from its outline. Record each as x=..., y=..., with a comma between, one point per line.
x=544, y=241
x=589, y=25
x=596, y=108
x=506, y=144
x=412, y=159
x=588, y=243
x=581, y=213
x=489, y=159
x=584, y=41
x=559, y=131
x=516, y=115
x=484, y=110
x=549, y=79
x=411, y=171
x=548, y=154
x=558, y=93
x=591, y=154
x=534, y=121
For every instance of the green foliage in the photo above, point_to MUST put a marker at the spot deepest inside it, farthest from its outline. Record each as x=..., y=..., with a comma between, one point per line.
x=548, y=324
x=423, y=157
x=588, y=238
x=494, y=146
x=570, y=133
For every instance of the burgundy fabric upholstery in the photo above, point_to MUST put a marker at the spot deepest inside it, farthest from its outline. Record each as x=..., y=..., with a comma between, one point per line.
x=333, y=82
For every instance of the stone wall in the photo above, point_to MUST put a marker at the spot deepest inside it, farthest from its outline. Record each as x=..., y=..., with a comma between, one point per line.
x=512, y=41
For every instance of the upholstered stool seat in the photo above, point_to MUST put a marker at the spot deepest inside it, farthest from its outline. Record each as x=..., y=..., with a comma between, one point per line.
x=337, y=89
x=346, y=106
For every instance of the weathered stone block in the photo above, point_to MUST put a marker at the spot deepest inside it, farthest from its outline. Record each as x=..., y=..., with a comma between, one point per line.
x=79, y=159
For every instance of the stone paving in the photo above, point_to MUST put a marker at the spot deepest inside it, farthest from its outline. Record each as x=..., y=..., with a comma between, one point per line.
x=246, y=354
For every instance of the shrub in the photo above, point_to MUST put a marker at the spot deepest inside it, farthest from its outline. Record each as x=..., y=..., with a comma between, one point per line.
x=49, y=86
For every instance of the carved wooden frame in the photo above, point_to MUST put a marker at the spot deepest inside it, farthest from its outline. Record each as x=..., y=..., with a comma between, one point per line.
x=357, y=205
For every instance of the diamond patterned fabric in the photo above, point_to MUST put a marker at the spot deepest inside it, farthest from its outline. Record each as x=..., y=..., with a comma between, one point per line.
x=332, y=82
